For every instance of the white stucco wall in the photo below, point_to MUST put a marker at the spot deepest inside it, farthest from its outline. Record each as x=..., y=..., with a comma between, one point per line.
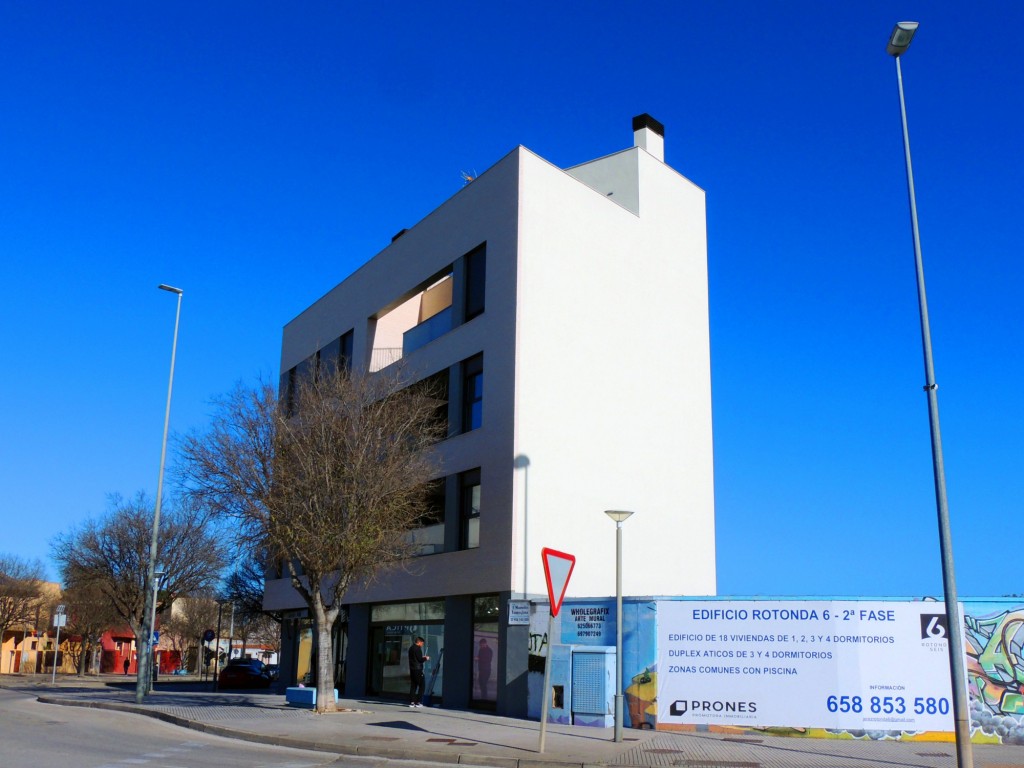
x=613, y=395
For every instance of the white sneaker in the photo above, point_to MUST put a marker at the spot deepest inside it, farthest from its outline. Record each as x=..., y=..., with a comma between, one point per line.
x=414, y=704
x=418, y=704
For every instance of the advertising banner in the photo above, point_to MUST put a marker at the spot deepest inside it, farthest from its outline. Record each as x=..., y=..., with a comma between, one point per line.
x=589, y=624
x=848, y=665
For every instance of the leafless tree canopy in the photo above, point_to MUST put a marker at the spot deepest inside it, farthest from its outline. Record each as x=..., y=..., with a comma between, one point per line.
x=21, y=584
x=184, y=627
x=111, y=556
x=243, y=586
x=331, y=489
x=89, y=615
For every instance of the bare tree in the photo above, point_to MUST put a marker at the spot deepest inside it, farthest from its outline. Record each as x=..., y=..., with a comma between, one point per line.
x=21, y=592
x=190, y=617
x=90, y=614
x=111, y=555
x=330, y=489
x=243, y=585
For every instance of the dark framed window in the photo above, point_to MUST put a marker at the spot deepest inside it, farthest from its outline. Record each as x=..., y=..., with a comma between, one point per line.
x=469, y=508
x=427, y=537
x=476, y=278
x=307, y=369
x=485, y=651
x=336, y=356
x=436, y=386
x=435, y=503
x=472, y=392
x=345, y=343
x=393, y=628
x=286, y=392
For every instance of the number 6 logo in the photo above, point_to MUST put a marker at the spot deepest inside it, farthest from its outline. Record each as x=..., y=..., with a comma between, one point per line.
x=933, y=626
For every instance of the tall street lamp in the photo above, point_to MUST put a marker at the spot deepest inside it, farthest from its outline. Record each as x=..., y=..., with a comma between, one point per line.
x=216, y=655
x=619, y=516
x=899, y=42
x=143, y=681
x=158, y=578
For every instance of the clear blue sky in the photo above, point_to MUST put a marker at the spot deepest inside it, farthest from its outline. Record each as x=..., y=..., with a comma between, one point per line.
x=255, y=153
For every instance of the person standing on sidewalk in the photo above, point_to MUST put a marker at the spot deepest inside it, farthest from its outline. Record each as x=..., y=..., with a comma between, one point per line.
x=417, y=684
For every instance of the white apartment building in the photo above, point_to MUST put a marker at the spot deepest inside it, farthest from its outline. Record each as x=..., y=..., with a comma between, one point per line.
x=567, y=310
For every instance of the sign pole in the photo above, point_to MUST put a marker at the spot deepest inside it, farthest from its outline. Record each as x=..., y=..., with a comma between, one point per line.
x=59, y=620
x=557, y=570
x=546, y=692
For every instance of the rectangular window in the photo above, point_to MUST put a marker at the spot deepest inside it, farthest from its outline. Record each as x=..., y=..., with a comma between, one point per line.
x=476, y=274
x=286, y=392
x=472, y=392
x=437, y=387
x=469, y=508
x=292, y=381
x=307, y=368
x=485, y=650
x=345, y=343
x=393, y=628
x=427, y=537
x=336, y=356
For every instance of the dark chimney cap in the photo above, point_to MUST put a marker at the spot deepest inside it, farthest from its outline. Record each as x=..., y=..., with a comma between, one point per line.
x=399, y=234
x=646, y=121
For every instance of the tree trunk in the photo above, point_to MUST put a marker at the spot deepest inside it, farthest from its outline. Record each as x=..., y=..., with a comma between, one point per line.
x=324, y=655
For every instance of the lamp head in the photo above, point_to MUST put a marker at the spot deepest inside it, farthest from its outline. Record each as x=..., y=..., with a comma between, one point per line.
x=170, y=288
x=900, y=38
x=618, y=515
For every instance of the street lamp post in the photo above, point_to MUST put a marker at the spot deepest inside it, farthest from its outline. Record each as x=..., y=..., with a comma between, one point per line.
x=158, y=577
x=619, y=516
x=216, y=654
x=143, y=680
x=899, y=42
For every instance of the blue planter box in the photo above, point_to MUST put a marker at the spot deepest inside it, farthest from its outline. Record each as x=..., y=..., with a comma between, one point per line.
x=303, y=697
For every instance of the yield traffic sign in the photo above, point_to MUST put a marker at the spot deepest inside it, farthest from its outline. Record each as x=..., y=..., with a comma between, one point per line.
x=557, y=570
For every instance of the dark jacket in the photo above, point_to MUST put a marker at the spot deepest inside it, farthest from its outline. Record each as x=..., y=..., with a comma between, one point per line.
x=415, y=658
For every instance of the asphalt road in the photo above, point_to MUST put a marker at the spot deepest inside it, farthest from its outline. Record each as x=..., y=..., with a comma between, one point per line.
x=34, y=735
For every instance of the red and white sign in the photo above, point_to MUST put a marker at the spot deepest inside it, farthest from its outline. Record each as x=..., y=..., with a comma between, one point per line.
x=557, y=570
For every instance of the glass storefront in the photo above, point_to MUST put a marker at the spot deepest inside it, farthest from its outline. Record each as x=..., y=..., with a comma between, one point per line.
x=393, y=629
x=302, y=653
x=305, y=661
x=485, y=651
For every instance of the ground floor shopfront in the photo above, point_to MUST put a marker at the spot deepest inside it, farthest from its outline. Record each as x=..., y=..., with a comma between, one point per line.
x=476, y=659
x=822, y=667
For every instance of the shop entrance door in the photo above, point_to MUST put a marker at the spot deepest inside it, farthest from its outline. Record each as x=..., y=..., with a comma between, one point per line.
x=389, y=658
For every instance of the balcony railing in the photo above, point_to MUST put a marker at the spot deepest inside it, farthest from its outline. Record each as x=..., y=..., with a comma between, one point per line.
x=382, y=357
x=430, y=329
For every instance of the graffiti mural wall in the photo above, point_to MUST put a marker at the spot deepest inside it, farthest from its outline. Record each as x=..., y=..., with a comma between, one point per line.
x=994, y=645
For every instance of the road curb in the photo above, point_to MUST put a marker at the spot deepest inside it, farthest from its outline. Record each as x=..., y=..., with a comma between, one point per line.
x=388, y=753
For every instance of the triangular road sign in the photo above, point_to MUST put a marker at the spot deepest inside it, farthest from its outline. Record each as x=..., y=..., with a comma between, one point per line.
x=557, y=570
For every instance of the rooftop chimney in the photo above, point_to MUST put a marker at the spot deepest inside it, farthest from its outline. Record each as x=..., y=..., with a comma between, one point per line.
x=649, y=134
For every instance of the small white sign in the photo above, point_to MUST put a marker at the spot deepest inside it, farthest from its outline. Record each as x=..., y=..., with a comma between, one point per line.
x=519, y=613
x=60, y=620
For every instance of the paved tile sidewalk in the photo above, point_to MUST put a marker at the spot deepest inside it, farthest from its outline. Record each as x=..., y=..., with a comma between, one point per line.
x=383, y=729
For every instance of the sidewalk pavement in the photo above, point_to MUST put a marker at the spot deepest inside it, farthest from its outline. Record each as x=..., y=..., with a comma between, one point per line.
x=377, y=728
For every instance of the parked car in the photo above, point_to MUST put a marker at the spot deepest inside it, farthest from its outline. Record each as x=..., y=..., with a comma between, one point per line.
x=244, y=673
